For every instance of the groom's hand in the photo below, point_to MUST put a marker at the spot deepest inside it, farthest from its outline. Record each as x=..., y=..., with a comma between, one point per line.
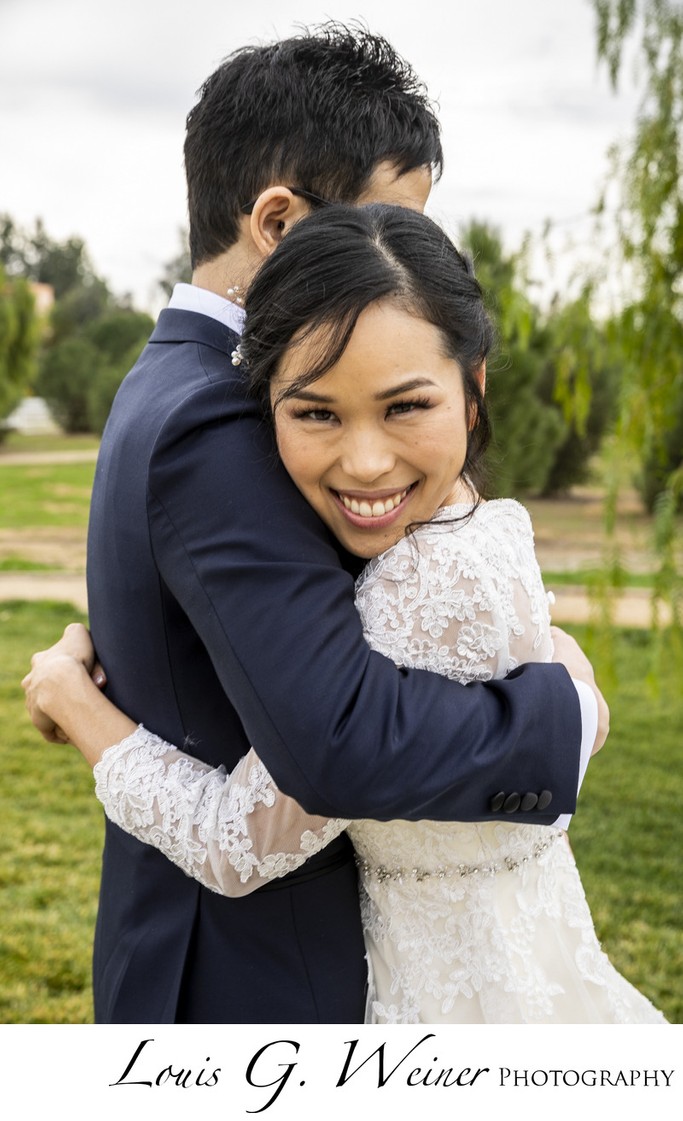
x=568, y=651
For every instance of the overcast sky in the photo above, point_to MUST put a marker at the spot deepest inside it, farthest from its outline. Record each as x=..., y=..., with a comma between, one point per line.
x=94, y=94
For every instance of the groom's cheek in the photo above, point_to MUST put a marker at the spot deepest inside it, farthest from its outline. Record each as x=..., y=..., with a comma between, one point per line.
x=265, y=1064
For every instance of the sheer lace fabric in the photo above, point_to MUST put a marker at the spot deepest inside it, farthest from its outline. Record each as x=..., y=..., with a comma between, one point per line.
x=231, y=831
x=467, y=923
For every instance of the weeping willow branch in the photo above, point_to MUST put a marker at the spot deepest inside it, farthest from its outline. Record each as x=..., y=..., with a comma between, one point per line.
x=646, y=336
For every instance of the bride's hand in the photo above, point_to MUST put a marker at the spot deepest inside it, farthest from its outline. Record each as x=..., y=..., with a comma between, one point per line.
x=568, y=651
x=54, y=674
x=64, y=701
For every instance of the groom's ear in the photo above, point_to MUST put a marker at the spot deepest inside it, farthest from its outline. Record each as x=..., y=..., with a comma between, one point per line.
x=274, y=213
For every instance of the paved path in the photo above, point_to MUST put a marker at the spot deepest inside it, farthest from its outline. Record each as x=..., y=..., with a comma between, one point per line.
x=31, y=459
x=633, y=608
x=66, y=587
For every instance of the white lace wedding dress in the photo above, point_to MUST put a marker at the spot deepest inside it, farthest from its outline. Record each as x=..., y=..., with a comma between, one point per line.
x=464, y=923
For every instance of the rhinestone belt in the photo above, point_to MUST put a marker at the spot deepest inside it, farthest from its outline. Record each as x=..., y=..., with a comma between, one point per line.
x=454, y=871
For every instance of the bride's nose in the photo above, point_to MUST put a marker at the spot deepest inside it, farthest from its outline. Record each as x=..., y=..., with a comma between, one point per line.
x=366, y=455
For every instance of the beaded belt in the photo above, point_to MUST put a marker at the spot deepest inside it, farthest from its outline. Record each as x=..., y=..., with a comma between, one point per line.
x=454, y=871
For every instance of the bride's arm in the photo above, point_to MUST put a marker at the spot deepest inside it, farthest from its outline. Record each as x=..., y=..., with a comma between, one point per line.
x=232, y=832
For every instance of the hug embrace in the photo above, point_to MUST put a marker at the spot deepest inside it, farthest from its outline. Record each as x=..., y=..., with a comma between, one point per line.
x=338, y=742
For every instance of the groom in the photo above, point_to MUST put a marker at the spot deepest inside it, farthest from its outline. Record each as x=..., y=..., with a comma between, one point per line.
x=223, y=610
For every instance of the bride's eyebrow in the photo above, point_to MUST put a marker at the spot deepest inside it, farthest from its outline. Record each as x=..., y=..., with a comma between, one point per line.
x=309, y=395
x=404, y=387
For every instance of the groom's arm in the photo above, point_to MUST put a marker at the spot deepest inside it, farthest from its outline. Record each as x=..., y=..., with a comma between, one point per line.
x=340, y=727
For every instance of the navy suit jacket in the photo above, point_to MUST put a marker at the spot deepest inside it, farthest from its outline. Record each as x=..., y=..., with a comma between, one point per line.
x=223, y=614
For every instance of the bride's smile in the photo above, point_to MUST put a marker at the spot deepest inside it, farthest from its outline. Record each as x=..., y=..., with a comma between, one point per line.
x=374, y=509
x=377, y=443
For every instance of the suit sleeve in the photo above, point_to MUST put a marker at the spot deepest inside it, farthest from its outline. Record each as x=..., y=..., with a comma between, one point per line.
x=342, y=729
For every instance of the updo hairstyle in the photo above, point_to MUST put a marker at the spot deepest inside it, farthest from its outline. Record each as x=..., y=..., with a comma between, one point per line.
x=338, y=261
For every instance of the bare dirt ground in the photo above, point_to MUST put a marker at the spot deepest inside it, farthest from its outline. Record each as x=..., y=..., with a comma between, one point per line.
x=569, y=536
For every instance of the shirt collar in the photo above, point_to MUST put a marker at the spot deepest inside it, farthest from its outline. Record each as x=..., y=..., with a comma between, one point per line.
x=188, y=297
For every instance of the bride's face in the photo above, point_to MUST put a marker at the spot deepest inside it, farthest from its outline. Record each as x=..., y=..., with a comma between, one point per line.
x=378, y=443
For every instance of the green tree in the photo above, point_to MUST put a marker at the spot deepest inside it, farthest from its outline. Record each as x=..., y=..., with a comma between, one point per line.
x=36, y=256
x=540, y=444
x=67, y=374
x=582, y=379
x=18, y=342
x=119, y=338
x=93, y=337
x=648, y=335
x=81, y=372
x=119, y=332
x=77, y=309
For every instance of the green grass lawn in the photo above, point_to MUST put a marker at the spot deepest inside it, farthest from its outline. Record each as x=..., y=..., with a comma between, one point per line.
x=46, y=495
x=596, y=578
x=52, y=834
x=627, y=836
x=21, y=564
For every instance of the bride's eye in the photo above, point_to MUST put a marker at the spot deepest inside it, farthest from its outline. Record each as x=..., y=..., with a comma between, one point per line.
x=400, y=408
x=320, y=415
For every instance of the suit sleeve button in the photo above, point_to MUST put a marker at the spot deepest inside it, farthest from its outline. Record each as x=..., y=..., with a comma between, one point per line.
x=544, y=800
x=511, y=803
x=528, y=802
x=497, y=802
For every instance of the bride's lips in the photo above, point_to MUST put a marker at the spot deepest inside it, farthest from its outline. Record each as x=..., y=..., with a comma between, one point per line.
x=372, y=511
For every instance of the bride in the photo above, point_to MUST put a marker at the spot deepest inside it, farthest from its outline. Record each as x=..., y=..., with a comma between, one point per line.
x=366, y=340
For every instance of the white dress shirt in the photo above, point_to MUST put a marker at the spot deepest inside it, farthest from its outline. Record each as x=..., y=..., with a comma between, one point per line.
x=188, y=297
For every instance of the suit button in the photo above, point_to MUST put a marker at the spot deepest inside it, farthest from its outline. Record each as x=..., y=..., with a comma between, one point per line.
x=497, y=802
x=511, y=803
x=528, y=802
x=544, y=800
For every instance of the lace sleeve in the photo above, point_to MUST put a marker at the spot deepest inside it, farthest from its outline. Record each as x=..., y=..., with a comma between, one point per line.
x=232, y=832
x=464, y=598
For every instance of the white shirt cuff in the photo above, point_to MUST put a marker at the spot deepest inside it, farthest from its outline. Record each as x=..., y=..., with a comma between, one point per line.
x=589, y=730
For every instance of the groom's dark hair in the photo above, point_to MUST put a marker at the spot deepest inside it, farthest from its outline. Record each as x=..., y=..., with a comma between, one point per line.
x=317, y=111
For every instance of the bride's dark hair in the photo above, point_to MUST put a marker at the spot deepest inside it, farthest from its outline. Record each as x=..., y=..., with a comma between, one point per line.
x=334, y=264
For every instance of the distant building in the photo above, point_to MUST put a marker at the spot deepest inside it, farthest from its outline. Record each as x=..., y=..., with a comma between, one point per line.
x=32, y=418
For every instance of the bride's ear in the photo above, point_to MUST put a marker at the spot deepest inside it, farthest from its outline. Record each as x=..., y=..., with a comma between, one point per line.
x=480, y=375
x=480, y=378
x=274, y=213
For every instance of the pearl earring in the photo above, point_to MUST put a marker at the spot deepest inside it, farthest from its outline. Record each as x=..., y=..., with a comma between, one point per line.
x=234, y=295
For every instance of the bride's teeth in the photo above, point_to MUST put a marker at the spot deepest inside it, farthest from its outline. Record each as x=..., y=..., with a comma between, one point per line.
x=375, y=509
